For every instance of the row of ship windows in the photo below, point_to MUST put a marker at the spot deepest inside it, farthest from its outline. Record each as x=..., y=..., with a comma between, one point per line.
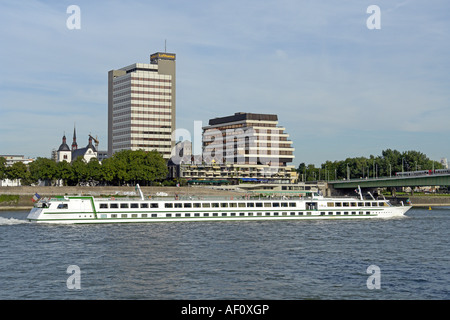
x=199, y=205
x=359, y=204
x=229, y=214
x=155, y=205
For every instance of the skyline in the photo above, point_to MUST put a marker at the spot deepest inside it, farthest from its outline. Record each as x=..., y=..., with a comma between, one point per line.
x=340, y=89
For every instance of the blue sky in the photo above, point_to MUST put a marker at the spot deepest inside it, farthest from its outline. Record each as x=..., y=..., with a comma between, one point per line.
x=340, y=89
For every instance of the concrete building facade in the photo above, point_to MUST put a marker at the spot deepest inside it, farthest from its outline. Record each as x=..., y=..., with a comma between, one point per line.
x=142, y=106
x=244, y=147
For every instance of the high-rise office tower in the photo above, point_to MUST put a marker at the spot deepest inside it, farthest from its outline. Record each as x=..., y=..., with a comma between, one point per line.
x=142, y=106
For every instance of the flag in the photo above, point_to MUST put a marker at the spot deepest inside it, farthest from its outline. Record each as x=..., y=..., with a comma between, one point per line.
x=36, y=197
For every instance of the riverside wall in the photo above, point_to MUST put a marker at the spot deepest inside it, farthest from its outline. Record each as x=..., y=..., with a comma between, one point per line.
x=424, y=201
x=19, y=198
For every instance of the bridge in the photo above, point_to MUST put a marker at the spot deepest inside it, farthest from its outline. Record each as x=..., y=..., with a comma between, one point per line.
x=389, y=182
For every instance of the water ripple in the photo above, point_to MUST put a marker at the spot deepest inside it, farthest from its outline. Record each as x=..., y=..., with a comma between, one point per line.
x=228, y=260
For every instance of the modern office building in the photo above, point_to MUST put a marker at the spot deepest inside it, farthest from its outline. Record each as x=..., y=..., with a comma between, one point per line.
x=247, y=138
x=142, y=106
x=244, y=147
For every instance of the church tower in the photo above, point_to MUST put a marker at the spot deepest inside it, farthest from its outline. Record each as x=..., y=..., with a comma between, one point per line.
x=64, y=153
x=74, y=143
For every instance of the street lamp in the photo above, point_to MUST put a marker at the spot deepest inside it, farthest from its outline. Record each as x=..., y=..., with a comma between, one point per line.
x=374, y=169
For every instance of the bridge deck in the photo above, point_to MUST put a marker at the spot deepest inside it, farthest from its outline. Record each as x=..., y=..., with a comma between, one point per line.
x=414, y=181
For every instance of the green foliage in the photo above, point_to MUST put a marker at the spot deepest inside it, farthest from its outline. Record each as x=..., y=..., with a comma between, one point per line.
x=134, y=167
x=64, y=171
x=9, y=198
x=42, y=169
x=18, y=171
x=387, y=164
x=2, y=168
x=124, y=167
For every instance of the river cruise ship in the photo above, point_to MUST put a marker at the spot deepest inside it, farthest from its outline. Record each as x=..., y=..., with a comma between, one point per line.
x=88, y=209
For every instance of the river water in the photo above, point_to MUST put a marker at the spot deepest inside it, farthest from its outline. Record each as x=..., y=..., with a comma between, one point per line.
x=228, y=260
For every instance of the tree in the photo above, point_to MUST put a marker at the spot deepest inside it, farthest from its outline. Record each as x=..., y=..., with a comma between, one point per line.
x=133, y=167
x=43, y=169
x=93, y=170
x=2, y=168
x=108, y=174
x=79, y=168
x=390, y=162
x=158, y=166
x=64, y=172
x=18, y=170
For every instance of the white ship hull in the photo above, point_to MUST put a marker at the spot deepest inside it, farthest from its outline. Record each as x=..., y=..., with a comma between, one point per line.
x=88, y=210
